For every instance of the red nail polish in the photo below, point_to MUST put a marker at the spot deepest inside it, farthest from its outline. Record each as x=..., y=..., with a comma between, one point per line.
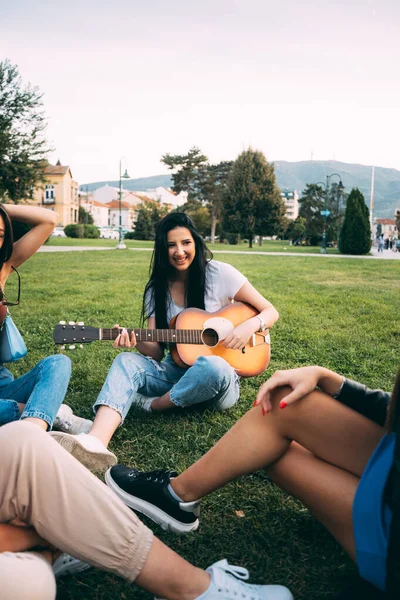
x=283, y=404
x=255, y=402
x=264, y=412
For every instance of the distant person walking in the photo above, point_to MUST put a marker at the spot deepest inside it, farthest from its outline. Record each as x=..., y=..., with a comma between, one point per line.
x=381, y=243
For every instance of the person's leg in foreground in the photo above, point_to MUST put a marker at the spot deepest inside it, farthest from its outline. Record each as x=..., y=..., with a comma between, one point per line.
x=136, y=380
x=43, y=486
x=38, y=395
x=316, y=449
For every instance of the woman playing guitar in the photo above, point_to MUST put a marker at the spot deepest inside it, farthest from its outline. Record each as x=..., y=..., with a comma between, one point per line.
x=183, y=274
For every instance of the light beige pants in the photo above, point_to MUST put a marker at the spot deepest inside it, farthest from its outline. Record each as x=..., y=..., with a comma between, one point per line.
x=69, y=507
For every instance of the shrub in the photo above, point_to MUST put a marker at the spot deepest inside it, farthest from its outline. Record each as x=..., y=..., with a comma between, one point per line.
x=77, y=230
x=74, y=230
x=91, y=232
x=130, y=235
x=233, y=238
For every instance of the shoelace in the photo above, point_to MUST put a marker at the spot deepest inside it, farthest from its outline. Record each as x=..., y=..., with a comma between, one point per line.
x=229, y=578
x=160, y=476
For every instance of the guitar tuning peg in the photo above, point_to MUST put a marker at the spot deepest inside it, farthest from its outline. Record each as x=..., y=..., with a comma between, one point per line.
x=80, y=323
x=62, y=322
x=72, y=347
x=71, y=322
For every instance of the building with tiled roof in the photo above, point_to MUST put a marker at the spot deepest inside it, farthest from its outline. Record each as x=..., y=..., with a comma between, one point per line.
x=386, y=226
x=59, y=192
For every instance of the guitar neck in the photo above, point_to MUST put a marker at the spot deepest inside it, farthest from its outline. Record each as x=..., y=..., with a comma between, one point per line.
x=167, y=336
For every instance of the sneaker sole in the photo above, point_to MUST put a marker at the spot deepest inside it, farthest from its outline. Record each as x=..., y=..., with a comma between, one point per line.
x=94, y=461
x=157, y=515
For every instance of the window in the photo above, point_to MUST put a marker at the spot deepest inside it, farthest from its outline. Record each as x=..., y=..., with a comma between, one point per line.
x=49, y=195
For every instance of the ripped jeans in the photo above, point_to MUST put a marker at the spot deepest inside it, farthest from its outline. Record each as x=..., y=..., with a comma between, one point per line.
x=210, y=380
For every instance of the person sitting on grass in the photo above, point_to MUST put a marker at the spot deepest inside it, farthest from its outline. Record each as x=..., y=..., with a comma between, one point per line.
x=49, y=502
x=37, y=395
x=183, y=275
x=326, y=440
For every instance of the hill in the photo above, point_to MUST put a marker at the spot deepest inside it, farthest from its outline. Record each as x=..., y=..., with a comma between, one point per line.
x=295, y=175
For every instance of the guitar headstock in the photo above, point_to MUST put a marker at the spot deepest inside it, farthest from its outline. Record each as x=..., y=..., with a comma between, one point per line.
x=75, y=333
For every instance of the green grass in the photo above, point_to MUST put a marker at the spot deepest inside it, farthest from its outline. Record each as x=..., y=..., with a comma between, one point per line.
x=268, y=245
x=338, y=312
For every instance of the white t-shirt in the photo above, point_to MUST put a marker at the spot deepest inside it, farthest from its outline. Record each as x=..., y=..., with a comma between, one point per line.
x=222, y=284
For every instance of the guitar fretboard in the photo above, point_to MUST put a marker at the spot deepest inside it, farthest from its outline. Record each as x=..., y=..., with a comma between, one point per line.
x=168, y=336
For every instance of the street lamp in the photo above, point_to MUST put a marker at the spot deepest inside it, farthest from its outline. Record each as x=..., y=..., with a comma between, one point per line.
x=121, y=245
x=325, y=213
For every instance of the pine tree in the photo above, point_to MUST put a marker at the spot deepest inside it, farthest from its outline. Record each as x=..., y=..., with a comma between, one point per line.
x=143, y=226
x=355, y=237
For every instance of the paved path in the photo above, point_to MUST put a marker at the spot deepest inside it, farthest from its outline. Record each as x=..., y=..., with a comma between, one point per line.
x=72, y=248
x=385, y=255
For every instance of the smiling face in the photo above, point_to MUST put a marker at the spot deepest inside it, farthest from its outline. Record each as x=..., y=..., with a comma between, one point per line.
x=181, y=248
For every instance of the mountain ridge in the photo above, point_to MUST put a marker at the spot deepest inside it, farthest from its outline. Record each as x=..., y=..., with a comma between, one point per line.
x=295, y=175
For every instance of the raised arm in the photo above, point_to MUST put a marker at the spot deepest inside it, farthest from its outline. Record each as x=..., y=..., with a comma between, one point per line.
x=43, y=222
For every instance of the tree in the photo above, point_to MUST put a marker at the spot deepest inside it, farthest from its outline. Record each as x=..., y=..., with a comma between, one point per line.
x=212, y=186
x=143, y=226
x=311, y=204
x=253, y=204
x=397, y=217
x=297, y=229
x=186, y=167
x=23, y=147
x=84, y=216
x=355, y=237
x=201, y=219
x=149, y=215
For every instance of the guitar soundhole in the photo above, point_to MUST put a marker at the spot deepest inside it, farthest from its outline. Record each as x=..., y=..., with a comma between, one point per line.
x=210, y=337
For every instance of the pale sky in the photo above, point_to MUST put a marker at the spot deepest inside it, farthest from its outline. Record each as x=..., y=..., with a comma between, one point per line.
x=134, y=79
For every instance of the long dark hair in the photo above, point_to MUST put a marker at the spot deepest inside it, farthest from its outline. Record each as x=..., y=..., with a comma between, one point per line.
x=8, y=243
x=161, y=272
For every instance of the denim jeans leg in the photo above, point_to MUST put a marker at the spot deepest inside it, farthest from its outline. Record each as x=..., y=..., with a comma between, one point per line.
x=42, y=389
x=211, y=379
x=9, y=411
x=133, y=373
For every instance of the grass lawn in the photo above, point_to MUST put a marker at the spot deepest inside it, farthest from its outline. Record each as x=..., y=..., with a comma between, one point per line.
x=341, y=313
x=268, y=245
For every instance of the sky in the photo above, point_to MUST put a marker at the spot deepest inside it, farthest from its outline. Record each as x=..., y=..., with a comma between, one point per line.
x=132, y=80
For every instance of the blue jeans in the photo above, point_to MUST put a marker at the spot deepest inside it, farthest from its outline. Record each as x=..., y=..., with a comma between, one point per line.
x=42, y=390
x=210, y=380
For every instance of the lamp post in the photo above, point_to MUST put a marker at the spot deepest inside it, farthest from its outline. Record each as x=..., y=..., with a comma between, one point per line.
x=326, y=212
x=121, y=245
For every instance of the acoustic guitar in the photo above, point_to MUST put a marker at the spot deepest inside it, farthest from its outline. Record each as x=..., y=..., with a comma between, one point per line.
x=192, y=333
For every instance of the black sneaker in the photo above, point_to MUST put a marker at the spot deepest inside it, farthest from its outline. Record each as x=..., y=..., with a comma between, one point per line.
x=148, y=493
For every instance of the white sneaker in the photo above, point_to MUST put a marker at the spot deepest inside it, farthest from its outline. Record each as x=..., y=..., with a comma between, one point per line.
x=143, y=402
x=227, y=584
x=69, y=423
x=68, y=565
x=86, y=448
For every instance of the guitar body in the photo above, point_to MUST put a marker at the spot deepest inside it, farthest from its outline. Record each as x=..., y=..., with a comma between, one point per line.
x=253, y=361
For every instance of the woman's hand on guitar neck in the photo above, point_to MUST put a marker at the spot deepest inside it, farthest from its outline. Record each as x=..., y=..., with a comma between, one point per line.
x=123, y=340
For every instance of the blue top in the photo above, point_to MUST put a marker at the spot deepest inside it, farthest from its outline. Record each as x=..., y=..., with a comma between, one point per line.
x=372, y=515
